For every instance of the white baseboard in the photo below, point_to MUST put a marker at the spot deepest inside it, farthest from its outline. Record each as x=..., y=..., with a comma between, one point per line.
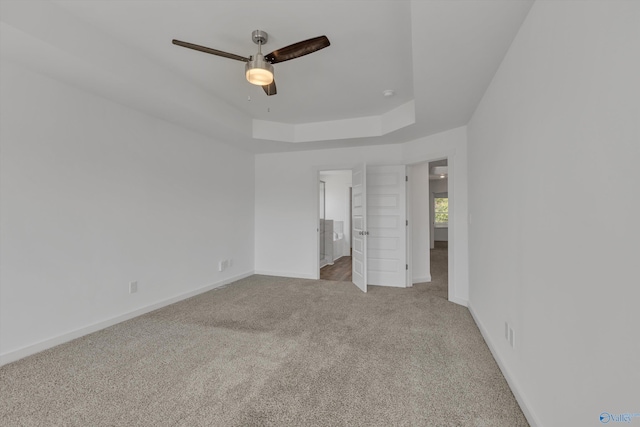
x=459, y=301
x=399, y=285
x=422, y=279
x=14, y=355
x=286, y=274
x=522, y=400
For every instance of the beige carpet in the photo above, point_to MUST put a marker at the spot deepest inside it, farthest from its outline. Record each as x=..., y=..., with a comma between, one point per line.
x=272, y=351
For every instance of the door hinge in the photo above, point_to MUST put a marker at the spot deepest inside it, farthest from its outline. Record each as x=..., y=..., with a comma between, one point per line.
x=407, y=266
x=406, y=178
x=407, y=223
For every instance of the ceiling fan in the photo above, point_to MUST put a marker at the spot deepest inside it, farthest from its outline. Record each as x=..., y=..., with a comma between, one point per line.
x=258, y=68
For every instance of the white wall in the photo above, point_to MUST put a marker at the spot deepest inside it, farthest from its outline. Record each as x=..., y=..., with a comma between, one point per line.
x=286, y=201
x=439, y=185
x=441, y=234
x=420, y=220
x=287, y=205
x=556, y=134
x=95, y=195
x=451, y=145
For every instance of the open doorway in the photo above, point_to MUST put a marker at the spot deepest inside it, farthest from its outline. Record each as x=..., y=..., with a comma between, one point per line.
x=439, y=224
x=429, y=191
x=335, y=225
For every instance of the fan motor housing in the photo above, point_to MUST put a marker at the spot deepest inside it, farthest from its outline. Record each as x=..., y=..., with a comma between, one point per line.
x=259, y=37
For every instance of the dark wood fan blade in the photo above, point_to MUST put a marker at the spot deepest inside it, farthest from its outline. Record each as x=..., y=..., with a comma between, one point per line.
x=211, y=51
x=297, y=50
x=270, y=89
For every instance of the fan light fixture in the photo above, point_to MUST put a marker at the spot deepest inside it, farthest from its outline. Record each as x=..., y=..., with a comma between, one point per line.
x=259, y=72
x=259, y=69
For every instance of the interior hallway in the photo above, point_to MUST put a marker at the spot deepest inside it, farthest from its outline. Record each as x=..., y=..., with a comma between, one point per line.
x=340, y=271
x=439, y=284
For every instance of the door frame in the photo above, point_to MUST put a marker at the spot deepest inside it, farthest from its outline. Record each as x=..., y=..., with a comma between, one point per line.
x=453, y=243
x=317, y=170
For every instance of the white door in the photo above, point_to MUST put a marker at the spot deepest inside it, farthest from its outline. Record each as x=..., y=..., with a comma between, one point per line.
x=359, y=221
x=386, y=224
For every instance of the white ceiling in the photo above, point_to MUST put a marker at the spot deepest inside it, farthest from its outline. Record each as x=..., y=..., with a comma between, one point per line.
x=436, y=163
x=439, y=54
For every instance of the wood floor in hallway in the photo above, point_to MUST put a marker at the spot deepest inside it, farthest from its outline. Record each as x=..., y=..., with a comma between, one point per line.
x=340, y=270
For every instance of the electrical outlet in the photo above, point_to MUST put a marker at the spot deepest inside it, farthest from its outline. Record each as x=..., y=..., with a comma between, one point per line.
x=509, y=335
x=224, y=264
x=133, y=287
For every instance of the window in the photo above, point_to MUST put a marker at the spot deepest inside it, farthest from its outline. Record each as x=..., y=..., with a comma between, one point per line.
x=442, y=211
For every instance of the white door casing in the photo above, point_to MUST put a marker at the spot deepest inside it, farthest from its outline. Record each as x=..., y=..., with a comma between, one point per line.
x=386, y=224
x=359, y=221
